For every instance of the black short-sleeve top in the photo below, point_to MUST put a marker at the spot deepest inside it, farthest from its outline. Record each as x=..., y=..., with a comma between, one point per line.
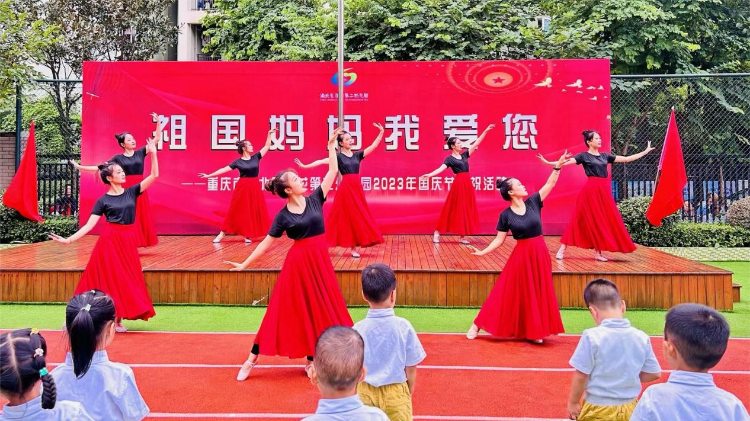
x=458, y=165
x=118, y=209
x=350, y=165
x=595, y=165
x=298, y=226
x=132, y=165
x=528, y=225
x=248, y=167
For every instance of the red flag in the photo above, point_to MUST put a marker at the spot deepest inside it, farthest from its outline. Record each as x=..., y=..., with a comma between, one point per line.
x=672, y=180
x=22, y=194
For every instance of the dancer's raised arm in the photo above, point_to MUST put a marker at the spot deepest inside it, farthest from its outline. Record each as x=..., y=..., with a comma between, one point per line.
x=312, y=164
x=269, y=141
x=376, y=142
x=333, y=163
x=479, y=140
x=552, y=180
x=151, y=149
x=637, y=156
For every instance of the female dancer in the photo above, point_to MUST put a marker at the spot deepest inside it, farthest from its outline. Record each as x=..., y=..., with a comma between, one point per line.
x=522, y=305
x=247, y=214
x=459, y=214
x=596, y=223
x=114, y=266
x=350, y=222
x=132, y=162
x=306, y=299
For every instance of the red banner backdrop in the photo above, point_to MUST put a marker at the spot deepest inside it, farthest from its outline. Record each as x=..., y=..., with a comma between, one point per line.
x=538, y=106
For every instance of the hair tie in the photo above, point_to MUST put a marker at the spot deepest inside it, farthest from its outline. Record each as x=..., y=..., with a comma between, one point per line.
x=43, y=372
x=87, y=307
x=39, y=352
x=34, y=331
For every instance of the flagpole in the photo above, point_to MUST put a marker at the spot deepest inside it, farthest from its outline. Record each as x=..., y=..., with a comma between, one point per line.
x=341, y=63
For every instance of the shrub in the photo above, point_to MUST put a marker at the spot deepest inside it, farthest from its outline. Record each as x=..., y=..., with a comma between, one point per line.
x=675, y=233
x=739, y=213
x=14, y=227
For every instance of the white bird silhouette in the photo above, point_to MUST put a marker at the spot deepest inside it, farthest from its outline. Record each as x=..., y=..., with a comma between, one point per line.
x=546, y=83
x=593, y=99
x=578, y=84
x=579, y=92
x=591, y=87
x=601, y=88
x=565, y=90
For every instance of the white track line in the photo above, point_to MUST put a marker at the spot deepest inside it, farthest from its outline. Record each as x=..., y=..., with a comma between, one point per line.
x=485, y=335
x=255, y=415
x=421, y=367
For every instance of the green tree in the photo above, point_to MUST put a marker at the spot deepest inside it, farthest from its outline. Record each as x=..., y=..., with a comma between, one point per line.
x=21, y=40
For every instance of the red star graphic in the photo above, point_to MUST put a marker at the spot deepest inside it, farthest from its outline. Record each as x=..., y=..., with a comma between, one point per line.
x=498, y=80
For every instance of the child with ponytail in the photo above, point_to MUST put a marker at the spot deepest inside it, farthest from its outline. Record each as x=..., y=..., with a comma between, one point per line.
x=25, y=382
x=106, y=389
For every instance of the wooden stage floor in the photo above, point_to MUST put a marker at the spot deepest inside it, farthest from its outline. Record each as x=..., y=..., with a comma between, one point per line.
x=188, y=269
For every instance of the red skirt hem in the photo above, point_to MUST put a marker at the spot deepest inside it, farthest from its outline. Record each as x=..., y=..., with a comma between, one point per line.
x=305, y=301
x=350, y=222
x=115, y=268
x=597, y=223
x=522, y=304
x=459, y=214
x=144, y=218
x=247, y=215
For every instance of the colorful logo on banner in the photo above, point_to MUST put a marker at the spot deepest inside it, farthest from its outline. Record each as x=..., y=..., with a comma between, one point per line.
x=349, y=78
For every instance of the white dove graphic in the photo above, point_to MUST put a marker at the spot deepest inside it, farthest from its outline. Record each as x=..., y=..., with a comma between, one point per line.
x=578, y=84
x=546, y=83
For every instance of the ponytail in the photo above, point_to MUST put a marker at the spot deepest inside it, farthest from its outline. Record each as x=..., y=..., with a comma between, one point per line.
x=106, y=169
x=240, y=146
x=452, y=141
x=23, y=363
x=86, y=317
x=277, y=185
x=121, y=138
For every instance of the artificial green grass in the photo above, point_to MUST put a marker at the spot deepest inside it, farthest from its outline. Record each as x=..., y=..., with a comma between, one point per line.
x=192, y=318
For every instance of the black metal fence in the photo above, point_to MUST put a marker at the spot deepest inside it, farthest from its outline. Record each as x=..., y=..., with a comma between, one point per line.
x=712, y=115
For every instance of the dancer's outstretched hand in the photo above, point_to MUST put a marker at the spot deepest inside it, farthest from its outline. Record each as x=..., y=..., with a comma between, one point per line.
x=649, y=148
x=563, y=158
x=299, y=163
x=490, y=127
x=236, y=266
x=150, y=145
x=59, y=239
x=335, y=134
x=379, y=126
x=476, y=251
x=543, y=159
x=202, y=175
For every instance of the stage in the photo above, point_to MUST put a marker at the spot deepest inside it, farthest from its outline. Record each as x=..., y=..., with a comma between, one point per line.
x=188, y=269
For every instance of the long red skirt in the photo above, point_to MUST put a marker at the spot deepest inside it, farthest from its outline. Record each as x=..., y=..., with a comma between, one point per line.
x=596, y=223
x=350, y=222
x=144, y=218
x=305, y=301
x=522, y=304
x=247, y=215
x=114, y=267
x=460, y=215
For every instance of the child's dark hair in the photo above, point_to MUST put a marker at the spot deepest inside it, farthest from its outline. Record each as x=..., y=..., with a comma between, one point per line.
x=339, y=357
x=121, y=138
x=23, y=363
x=451, y=141
x=378, y=281
x=106, y=169
x=588, y=136
x=504, y=185
x=86, y=318
x=602, y=293
x=277, y=185
x=240, y=146
x=340, y=137
x=699, y=333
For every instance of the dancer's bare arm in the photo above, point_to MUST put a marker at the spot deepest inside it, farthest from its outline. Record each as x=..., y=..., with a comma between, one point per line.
x=479, y=140
x=258, y=252
x=637, y=156
x=90, y=224
x=333, y=163
x=552, y=180
x=376, y=142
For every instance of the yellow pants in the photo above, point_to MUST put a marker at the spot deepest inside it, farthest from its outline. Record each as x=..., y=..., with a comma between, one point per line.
x=393, y=399
x=591, y=412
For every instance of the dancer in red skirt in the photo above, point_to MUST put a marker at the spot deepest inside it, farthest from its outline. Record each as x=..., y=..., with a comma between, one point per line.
x=132, y=162
x=459, y=214
x=522, y=304
x=247, y=214
x=306, y=298
x=596, y=223
x=350, y=222
x=114, y=266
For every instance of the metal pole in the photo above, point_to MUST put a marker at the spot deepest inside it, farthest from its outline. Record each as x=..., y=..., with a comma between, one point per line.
x=18, y=125
x=341, y=63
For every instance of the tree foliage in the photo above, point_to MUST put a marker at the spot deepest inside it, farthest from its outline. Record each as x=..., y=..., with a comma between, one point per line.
x=22, y=39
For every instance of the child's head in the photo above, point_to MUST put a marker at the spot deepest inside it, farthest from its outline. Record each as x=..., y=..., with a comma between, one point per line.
x=695, y=337
x=23, y=366
x=379, y=285
x=90, y=324
x=603, y=300
x=339, y=361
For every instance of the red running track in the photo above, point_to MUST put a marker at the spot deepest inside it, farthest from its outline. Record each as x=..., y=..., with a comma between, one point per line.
x=193, y=375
